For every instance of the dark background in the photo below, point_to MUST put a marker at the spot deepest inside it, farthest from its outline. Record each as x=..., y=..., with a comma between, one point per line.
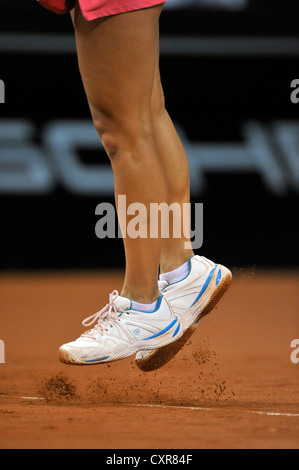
x=210, y=96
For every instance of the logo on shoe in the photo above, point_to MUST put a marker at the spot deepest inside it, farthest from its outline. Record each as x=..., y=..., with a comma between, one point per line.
x=137, y=331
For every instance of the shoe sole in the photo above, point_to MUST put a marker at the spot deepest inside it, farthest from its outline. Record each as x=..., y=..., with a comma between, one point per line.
x=67, y=358
x=161, y=356
x=120, y=352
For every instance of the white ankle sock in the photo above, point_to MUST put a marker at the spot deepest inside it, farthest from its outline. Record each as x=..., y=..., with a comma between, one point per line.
x=177, y=274
x=144, y=307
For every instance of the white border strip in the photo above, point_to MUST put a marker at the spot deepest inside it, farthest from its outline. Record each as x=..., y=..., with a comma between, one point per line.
x=193, y=408
x=269, y=413
x=33, y=398
x=275, y=46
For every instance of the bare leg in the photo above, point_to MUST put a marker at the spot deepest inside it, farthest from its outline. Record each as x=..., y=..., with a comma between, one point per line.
x=117, y=59
x=176, y=169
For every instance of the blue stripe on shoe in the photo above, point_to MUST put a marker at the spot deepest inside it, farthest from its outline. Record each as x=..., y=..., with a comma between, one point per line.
x=204, y=287
x=99, y=359
x=162, y=331
x=218, y=277
x=177, y=330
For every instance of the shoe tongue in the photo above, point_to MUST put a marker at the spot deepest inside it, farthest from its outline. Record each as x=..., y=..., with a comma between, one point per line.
x=122, y=303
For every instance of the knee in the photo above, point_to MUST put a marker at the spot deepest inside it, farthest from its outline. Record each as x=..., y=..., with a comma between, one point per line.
x=120, y=133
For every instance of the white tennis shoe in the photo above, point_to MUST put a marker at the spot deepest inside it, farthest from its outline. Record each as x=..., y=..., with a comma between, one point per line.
x=191, y=299
x=120, y=331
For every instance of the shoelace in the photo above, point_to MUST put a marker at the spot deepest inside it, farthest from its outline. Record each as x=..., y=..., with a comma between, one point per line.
x=104, y=317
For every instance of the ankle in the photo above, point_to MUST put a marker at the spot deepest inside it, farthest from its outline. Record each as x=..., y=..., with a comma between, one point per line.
x=140, y=297
x=170, y=263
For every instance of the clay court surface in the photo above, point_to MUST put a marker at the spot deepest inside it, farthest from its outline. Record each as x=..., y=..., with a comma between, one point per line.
x=232, y=386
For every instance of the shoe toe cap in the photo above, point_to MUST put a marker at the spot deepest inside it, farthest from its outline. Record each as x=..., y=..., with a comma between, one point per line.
x=81, y=350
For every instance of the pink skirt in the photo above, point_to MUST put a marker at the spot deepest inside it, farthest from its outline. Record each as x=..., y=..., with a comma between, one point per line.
x=92, y=9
